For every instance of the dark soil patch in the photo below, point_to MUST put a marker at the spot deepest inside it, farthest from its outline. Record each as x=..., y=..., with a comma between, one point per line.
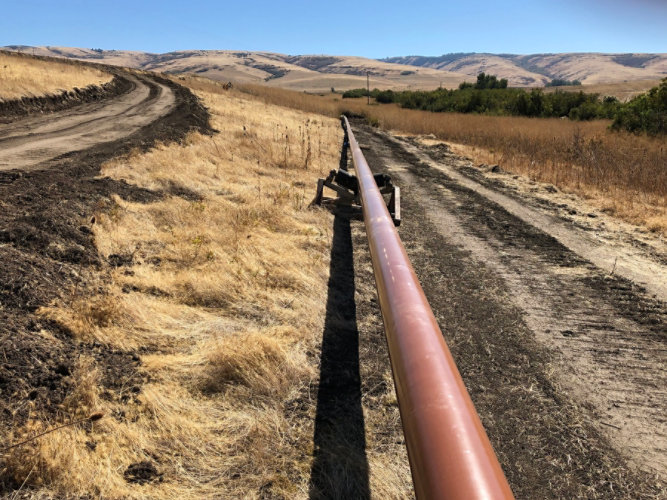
x=142, y=473
x=47, y=250
x=181, y=191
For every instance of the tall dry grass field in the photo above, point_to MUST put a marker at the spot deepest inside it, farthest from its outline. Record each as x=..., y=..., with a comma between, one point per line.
x=22, y=76
x=623, y=91
x=621, y=173
x=222, y=293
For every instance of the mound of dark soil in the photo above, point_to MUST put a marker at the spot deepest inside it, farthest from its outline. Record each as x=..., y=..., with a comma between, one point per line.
x=13, y=109
x=142, y=472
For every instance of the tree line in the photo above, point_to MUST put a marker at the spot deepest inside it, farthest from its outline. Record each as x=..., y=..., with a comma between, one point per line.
x=491, y=96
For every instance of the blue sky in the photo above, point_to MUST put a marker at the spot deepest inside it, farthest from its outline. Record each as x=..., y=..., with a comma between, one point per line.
x=367, y=28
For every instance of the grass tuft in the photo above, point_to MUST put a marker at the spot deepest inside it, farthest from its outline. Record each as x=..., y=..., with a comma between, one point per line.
x=260, y=362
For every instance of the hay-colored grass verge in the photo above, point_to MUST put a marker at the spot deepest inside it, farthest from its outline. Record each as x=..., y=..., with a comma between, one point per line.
x=26, y=77
x=222, y=289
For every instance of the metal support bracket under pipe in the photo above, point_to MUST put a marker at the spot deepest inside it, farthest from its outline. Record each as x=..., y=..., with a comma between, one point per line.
x=450, y=454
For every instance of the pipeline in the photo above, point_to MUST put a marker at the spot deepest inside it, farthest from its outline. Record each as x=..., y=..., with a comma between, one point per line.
x=450, y=454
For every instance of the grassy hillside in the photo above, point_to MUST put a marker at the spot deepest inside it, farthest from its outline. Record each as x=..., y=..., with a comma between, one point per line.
x=537, y=69
x=307, y=73
x=22, y=77
x=473, y=64
x=319, y=73
x=623, y=91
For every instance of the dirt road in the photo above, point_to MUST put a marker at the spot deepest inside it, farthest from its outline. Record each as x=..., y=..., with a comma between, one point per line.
x=31, y=141
x=559, y=332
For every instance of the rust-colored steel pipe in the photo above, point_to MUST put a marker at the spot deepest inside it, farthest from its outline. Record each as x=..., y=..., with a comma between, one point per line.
x=450, y=454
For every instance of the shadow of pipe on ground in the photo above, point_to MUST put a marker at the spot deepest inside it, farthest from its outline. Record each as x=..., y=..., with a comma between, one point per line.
x=340, y=466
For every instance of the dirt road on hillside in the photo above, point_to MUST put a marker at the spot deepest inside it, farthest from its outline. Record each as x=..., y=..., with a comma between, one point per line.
x=562, y=349
x=47, y=247
x=31, y=141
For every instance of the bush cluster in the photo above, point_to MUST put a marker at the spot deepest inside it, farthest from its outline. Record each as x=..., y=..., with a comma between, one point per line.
x=490, y=96
x=357, y=93
x=485, y=81
x=645, y=113
x=499, y=101
x=557, y=82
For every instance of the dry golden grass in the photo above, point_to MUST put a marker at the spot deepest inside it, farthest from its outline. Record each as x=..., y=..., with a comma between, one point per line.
x=624, y=91
x=226, y=298
x=22, y=76
x=620, y=173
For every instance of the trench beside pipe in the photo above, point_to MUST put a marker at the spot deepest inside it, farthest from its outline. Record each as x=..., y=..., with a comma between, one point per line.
x=450, y=454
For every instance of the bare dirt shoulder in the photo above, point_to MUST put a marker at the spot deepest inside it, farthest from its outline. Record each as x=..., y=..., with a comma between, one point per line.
x=559, y=212
x=625, y=250
x=564, y=361
x=47, y=249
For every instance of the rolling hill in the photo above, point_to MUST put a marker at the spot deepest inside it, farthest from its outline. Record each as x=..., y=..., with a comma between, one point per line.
x=319, y=73
x=538, y=69
x=313, y=73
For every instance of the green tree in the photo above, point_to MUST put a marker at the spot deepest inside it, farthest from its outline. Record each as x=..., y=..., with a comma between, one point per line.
x=645, y=113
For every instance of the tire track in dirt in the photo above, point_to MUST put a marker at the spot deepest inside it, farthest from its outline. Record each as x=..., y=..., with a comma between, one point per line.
x=566, y=364
x=628, y=262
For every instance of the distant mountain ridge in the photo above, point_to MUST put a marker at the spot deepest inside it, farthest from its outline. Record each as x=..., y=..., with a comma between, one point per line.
x=538, y=69
x=319, y=73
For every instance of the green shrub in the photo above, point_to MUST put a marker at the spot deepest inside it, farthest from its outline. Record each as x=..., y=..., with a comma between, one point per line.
x=490, y=82
x=385, y=96
x=355, y=93
x=558, y=82
x=645, y=113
